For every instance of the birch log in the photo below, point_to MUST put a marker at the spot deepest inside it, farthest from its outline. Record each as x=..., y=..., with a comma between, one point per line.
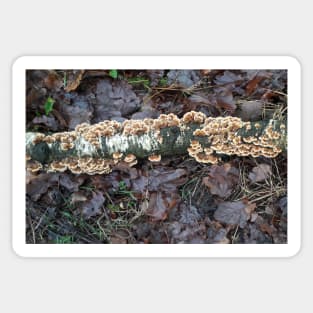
x=95, y=149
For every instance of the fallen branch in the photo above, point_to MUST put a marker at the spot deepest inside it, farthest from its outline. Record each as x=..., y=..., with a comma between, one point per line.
x=95, y=149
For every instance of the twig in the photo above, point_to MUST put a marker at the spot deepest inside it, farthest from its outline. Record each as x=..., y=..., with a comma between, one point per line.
x=234, y=235
x=32, y=228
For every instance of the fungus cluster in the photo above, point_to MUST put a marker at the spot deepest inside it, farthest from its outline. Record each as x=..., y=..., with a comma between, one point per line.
x=135, y=127
x=202, y=155
x=166, y=120
x=147, y=125
x=38, y=138
x=267, y=140
x=84, y=165
x=224, y=138
x=49, y=139
x=194, y=117
x=65, y=139
x=93, y=133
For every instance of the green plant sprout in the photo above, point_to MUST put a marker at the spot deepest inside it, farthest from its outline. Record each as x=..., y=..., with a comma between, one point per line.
x=113, y=74
x=48, y=106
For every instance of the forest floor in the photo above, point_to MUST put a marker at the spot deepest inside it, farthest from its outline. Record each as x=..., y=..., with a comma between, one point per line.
x=178, y=200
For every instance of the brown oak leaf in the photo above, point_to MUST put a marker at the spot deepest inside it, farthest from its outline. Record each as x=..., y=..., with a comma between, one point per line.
x=234, y=213
x=221, y=179
x=260, y=172
x=160, y=203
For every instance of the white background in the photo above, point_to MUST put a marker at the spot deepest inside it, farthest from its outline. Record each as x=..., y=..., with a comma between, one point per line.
x=164, y=28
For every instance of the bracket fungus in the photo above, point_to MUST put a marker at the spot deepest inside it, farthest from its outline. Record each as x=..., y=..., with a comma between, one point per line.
x=33, y=166
x=130, y=159
x=95, y=149
x=154, y=158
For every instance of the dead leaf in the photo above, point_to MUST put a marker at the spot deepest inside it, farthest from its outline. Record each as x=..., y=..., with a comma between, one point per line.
x=165, y=179
x=256, y=77
x=198, y=98
x=125, y=168
x=74, y=78
x=147, y=112
x=108, y=183
x=80, y=111
x=49, y=121
x=234, y=213
x=142, y=230
x=226, y=78
x=226, y=101
x=250, y=207
x=114, y=99
x=250, y=110
x=254, y=216
x=189, y=214
x=205, y=72
x=140, y=184
x=181, y=233
x=260, y=172
x=78, y=197
x=216, y=233
x=71, y=182
x=53, y=197
x=53, y=81
x=221, y=237
x=155, y=76
x=183, y=78
x=283, y=204
x=253, y=83
x=157, y=208
x=253, y=235
x=268, y=95
x=221, y=180
x=30, y=176
x=266, y=228
x=117, y=240
x=43, y=80
x=279, y=237
x=159, y=179
x=160, y=203
x=39, y=184
x=60, y=118
x=93, y=206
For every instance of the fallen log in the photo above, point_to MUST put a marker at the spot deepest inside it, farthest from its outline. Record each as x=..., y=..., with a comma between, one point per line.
x=95, y=149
